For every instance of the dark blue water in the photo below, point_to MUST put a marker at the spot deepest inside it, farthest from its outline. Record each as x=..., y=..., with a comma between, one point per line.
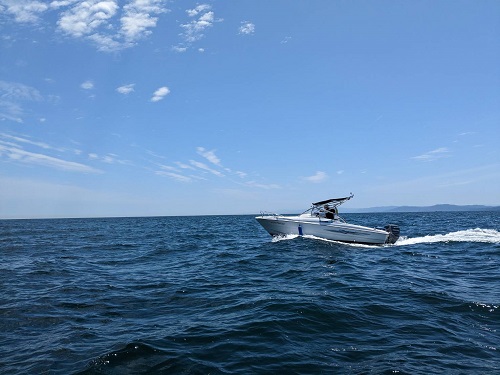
x=216, y=295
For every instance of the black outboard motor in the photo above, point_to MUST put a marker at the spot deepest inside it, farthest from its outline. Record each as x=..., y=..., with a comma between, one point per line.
x=393, y=230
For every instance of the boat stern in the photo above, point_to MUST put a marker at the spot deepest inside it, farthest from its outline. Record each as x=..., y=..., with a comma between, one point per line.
x=393, y=231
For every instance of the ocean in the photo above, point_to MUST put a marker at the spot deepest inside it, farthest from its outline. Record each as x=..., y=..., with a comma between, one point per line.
x=218, y=295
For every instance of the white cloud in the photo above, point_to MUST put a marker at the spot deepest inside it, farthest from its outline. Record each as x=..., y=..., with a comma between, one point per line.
x=87, y=16
x=317, y=178
x=138, y=19
x=87, y=85
x=126, y=89
x=199, y=9
x=24, y=11
x=160, y=94
x=209, y=155
x=61, y=3
x=438, y=153
x=106, y=43
x=195, y=29
x=247, y=28
x=108, y=24
x=179, y=49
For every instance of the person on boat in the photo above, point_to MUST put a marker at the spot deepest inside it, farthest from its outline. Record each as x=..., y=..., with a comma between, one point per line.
x=329, y=213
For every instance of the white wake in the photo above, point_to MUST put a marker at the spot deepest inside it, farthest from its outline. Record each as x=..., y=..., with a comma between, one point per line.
x=284, y=237
x=469, y=235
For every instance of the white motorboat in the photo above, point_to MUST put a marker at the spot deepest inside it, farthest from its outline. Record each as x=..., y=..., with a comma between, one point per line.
x=322, y=220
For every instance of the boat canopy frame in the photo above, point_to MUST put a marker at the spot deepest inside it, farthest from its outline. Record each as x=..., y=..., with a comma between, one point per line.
x=334, y=202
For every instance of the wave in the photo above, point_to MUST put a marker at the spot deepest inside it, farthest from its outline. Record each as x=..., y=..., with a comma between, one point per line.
x=469, y=235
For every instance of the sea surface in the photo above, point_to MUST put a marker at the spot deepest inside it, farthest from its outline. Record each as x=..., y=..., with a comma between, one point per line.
x=218, y=295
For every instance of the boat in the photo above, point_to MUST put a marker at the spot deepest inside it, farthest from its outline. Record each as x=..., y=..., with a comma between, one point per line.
x=323, y=221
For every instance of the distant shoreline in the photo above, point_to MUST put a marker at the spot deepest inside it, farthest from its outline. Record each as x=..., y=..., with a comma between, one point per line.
x=434, y=208
x=381, y=209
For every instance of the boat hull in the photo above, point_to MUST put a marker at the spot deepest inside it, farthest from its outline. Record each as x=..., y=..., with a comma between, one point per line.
x=334, y=230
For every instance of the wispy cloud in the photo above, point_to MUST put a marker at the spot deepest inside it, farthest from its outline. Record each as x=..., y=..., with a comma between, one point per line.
x=262, y=186
x=318, y=177
x=175, y=176
x=160, y=94
x=205, y=167
x=126, y=89
x=12, y=148
x=12, y=94
x=183, y=165
x=436, y=154
x=11, y=111
x=15, y=90
x=19, y=155
x=247, y=28
x=209, y=155
x=27, y=141
x=109, y=158
x=286, y=39
x=198, y=170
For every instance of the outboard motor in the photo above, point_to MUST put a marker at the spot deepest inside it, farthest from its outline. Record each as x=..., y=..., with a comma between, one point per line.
x=393, y=233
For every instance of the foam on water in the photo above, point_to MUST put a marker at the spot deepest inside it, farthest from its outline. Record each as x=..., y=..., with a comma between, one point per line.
x=284, y=237
x=311, y=237
x=469, y=235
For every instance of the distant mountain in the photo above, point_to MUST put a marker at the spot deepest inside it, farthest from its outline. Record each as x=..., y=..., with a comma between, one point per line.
x=435, y=208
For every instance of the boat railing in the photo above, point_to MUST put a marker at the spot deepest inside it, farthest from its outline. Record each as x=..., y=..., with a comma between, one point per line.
x=266, y=213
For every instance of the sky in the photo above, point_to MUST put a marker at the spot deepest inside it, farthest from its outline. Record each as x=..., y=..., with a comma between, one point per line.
x=153, y=107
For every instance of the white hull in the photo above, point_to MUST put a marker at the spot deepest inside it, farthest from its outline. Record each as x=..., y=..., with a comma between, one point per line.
x=334, y=230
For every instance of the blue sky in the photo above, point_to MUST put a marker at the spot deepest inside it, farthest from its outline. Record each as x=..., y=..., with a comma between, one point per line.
x=151, y=107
